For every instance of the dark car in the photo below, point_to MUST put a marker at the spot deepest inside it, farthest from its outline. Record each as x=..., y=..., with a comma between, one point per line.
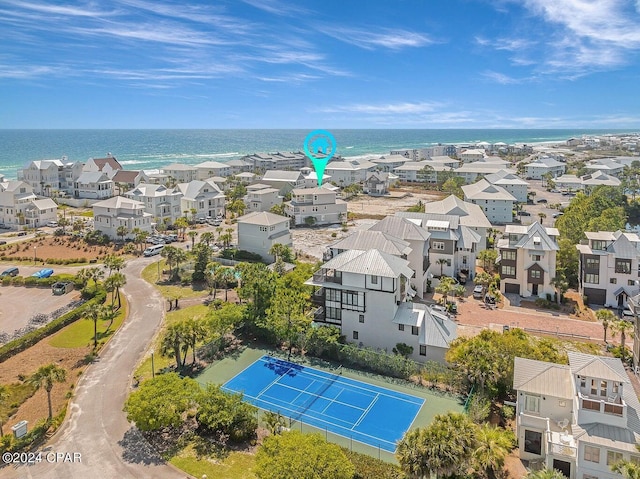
x=542, y=200
x=525, y=213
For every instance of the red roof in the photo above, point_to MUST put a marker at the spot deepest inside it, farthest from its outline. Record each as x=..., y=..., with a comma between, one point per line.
x=111, y=161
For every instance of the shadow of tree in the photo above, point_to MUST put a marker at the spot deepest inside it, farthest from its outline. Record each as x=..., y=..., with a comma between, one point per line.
x=136, y=449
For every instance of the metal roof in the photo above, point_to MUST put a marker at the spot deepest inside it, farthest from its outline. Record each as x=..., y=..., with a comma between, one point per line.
x=540, y=377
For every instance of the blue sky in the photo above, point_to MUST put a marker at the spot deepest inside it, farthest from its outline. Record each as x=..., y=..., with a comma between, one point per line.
x=320, y=64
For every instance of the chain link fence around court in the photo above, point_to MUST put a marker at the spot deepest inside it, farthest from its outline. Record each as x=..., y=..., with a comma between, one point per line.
x=289, y=423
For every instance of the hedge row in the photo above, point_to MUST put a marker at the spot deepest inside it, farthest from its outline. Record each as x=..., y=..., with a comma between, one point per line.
x=368, y=467
x=27, y=259
x=41, y=282
x=29, y=339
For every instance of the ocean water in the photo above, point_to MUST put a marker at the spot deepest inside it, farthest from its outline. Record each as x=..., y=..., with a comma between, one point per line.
x=150, y=149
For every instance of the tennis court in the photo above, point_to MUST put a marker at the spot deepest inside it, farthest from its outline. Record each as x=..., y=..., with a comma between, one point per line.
x=363, y=412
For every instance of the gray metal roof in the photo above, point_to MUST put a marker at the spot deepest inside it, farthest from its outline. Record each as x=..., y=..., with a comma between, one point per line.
x=263, y=218
x=537, y=238
x=438, y=330
x=623, y=248
x=282, y=175
x=601, y=367
x=375, y=263
x=367, y=239
x=540, y=377
x=483, y=190
x=401, y=228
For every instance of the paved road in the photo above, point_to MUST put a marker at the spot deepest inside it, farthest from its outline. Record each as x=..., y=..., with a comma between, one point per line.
x=96, y=427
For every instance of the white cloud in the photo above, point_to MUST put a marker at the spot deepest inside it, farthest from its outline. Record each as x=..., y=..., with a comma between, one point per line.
x=388, y=108
x=377, y=37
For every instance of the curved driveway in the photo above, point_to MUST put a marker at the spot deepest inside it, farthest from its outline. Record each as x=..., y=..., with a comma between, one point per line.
x=96, y=427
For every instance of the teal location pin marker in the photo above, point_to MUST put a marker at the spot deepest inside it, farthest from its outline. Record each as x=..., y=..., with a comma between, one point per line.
x=319, y=146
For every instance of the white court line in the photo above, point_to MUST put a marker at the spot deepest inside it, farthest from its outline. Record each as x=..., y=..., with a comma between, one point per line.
x=375, y=399
x=319, y=396
x=271, y=384
x=378, y=439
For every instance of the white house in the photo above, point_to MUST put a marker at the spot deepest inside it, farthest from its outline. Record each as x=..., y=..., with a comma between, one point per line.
x=283, y=181
x=259, y=231
x=579, y=419
x=19, y=206
x=608, y=267
x=209, y=169
x=528, y=260
x=203, y=197
x=606, y=165
x=118, y=211
x=468, y=214
x=510, y=182
x=161, y=202
x=389, y=163
x=51, y=177
x=542, y=166
x=109, y=165
x=471, y=171
x=94, y=185
x=377, y=183
x=496, y=202
x=415, y=172
x=321, y=204
x=365, y=294
x=345, y=173
x=240, y=166
x=261, y=197
x=474, y=154
x=179, y=173
x=598, y=178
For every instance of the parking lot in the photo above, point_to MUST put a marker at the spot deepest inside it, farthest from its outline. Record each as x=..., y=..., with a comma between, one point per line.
x=18, y=303
x=537, y=207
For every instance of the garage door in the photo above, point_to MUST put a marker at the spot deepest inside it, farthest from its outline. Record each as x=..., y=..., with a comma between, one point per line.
x=512, y=288
x=595, y=296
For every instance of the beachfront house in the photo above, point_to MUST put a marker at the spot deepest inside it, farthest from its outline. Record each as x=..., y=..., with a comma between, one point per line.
x=315, y=206
x=259, y=231
x=201, y=199
x=161, y=202
x=527, y=260
x=283, y=181
x=276, y=161
x=95, y=185
x=579, y=419
x=51, y=177
x=109, y=166
x=20, y=206
x=209, y=169
x=471, y=155
x=111, y=214
x=496, y=202
x=179, y=173
x=389, y=163
x=367, y=295
x=608, y=267
x=345, y=173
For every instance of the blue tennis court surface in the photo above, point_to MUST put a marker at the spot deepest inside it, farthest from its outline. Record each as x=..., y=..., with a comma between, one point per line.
x=370, y=414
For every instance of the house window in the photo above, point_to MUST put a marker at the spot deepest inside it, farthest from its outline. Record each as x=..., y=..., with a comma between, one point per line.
x=536, y=257
x=531, y=403
x=591, y=453
x=598, y=245
x=361, y=318
x=509, y=255
x=594, y=387
x=603, y=388
x=613, y=280
x=423, y=350
x=355, y=335
x=414, y=330
x=592, y=263
x=464, y=260
x=532, y=442
x=591, y=278
x=613, y=457
x=535, y=273
x=623, y=266
x=374, y=280
x=631, y=282
x=400, y=327
x=508, y=270
x=583, y=383
x=438, y=245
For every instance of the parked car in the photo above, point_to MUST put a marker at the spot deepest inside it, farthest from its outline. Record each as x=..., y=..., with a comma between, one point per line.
x=477, y=291
x=557, y=215
x=490, y=299
x=10, y=272
x=62, y=287
x=43, y=273
x=22, y=233
x=52, y=224
x=542, y=200
x=3, y=242
x=525, y=213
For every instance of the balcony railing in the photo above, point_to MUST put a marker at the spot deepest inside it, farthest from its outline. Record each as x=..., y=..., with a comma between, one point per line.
x=327, y=278
x=614, y=407
x=319, y=297
x=561, y=444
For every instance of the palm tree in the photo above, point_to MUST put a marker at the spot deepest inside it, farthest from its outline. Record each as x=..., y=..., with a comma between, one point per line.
x=483, y=279
x=45, y=377
x=542, y=216
x=444, y=288
x=122, y=232
x=442, y=262
x=206, y=237
x=169, y=253
x=607, y=318
x=109, y=313
x=96, y=274
x=623, y=327
x=494, y=445
x=192, y=235
x=227, y=276
x=94, y=312
x=546, y=474
x=212, y=277
x=172, y=343
x=140, y=237
x=4, y=395
x=410, y=454
x=114, y=283
x=629, y=470
x=113, y=263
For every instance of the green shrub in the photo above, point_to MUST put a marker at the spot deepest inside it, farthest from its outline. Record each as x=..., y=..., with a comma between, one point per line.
x=17, y=281
x=368, y=467
x=30, y=281
x=507, y=412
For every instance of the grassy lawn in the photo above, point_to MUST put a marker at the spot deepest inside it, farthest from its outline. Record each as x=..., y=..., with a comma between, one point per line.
x=80, y=333
x=18, y=393
x=159, y=361
x=150, y=275
x=237, y=465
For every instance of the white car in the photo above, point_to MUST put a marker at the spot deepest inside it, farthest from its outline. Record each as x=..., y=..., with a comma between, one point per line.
x=52, y=224
x=477, y=291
